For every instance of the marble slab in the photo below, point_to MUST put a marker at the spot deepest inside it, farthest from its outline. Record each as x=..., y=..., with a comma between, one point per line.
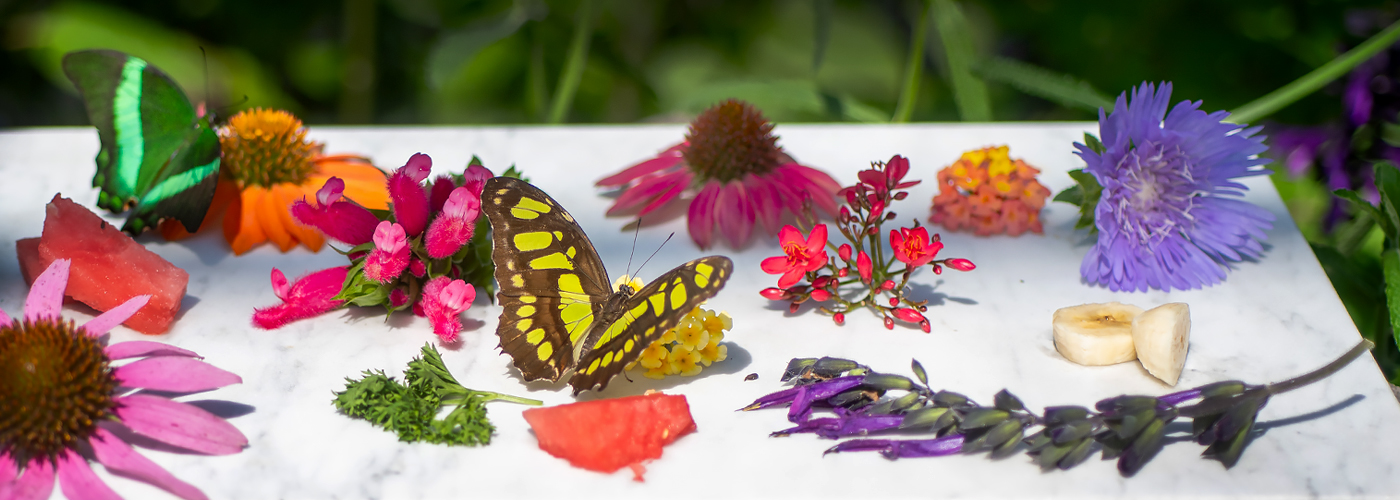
x=1270, y=320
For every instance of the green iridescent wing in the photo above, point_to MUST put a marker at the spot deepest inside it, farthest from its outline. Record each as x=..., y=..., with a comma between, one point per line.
x=158, y=158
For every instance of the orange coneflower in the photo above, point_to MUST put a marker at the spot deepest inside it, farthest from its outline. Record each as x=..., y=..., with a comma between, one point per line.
x=267, y=165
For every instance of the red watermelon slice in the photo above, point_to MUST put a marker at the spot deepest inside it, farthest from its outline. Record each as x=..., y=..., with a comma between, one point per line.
x=610, y=434
x=108, y=266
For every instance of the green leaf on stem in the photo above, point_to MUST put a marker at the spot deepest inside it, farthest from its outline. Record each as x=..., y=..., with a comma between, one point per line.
x=1040, y=82
x=1086, y=195
x=969, y=92
x=1390, y=261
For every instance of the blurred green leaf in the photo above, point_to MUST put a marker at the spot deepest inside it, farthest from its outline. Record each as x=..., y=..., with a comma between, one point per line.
x=969, y=92
x=1361, y=205
x=456, y=48
x=785, y=100
x=1390, y=261
x=821, y=31
x=913, y=68
x=1041, y=82
x=573, y=67
x=232, y=73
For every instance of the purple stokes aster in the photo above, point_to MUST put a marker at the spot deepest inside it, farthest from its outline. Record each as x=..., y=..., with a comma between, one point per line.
x=1167, y=217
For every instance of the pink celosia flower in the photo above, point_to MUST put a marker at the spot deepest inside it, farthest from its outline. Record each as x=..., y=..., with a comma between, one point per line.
x=312, y=295
x=337, y=218
x=730, y=171
x=443, y=300
x=410, y=202
x=441, y=189
x=454, y=226
x=390, y=255
x=801, y=257
x=475, y=178
x=398, y=298
x=912, y=246
x=101, y=413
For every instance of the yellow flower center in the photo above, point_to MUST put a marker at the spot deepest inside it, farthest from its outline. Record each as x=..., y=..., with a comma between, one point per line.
x=265, y=147
x=56, y=383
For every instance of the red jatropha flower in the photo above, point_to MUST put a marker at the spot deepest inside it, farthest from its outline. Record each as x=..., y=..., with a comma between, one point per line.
x=912, y=246
x=735, y=171
x=802, y=256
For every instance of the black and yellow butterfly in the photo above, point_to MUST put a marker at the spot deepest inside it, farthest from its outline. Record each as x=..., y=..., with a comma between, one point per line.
x=556, y=297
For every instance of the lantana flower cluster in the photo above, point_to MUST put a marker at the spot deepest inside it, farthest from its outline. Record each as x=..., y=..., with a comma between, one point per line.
x=988, y=192
x=863, y=261
x=689, y=347
x=414, y=256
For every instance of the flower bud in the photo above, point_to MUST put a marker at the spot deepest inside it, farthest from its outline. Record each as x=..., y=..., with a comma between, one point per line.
x=773, y=293
x=901, y=195
x=851, y=198
x=926, y=326
x=792, y=308
x=839, y=318
x=908, y=315
x=821, y=282
x=889, y=323
x=889, y=285
x=844, y=250
x=844, y=216
x=842, y=273
x=890, y=216
x=894, y=301
x=961, y=264
x=937, y=269
x=821, y=295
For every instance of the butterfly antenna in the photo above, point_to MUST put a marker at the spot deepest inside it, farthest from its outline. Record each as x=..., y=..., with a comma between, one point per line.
x=653, y=254
x=633, y=253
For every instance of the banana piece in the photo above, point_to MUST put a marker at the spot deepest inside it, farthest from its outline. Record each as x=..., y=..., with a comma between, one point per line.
x=1096, y=334
x=1161, y=336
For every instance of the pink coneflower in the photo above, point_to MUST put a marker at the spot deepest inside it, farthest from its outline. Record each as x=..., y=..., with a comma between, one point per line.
x=731, y=171
x=63, y=404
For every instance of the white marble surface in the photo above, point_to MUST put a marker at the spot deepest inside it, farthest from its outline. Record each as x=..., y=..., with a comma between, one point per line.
x=991, y=329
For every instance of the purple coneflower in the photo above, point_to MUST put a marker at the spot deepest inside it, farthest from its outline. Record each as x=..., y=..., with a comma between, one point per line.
x=731, y=171
x=1166, y=219
x=63, y=405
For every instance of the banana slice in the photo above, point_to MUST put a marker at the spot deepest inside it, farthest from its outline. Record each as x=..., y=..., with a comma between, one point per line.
x=1161, y=336
x=1096, y=334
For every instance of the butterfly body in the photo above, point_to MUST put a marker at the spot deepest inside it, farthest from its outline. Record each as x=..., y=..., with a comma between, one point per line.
x=159, y=158
x=559, y=311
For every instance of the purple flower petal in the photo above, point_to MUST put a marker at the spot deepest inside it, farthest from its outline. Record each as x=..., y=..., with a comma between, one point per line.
x=811, y=425
x=801, y=408
x=46, y=294
x=179, y=424
x=35, y=483
x=78, y=481
x=139, y=348
x=174, y=374
x=860, y=425
x=115, y=316
x=770, y=400
x=121, y=458
x=908, y=448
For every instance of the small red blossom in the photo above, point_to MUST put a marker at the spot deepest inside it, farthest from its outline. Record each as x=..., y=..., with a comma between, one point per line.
x=961, y=264
x=908, y=314
x=864, y=266
x=912, y=246
x=772, y=293
x=802, y=256
x=820, y=295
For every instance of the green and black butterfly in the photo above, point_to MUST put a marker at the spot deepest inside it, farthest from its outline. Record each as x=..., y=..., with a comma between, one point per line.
x=159, y=158
x=557, y=303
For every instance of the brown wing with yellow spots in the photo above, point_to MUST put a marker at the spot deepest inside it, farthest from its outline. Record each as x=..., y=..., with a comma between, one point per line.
x=552, y=283
x=654, y=309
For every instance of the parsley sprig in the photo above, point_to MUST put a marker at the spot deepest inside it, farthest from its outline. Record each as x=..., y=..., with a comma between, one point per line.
x=411, y=410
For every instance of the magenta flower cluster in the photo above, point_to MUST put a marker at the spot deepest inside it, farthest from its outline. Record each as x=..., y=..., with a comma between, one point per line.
x=411, y=259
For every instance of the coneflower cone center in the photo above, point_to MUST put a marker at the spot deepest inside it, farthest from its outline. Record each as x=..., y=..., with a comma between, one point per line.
x=730, y=140
x=263, y=147
x=1155, y=193
x=56, y=383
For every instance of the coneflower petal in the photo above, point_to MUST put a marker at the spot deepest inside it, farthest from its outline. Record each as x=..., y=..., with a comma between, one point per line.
x=700, y=218
x=179, y=424
x=666, y=160
x=36, y=483
x=77, y=480
x=117, y=456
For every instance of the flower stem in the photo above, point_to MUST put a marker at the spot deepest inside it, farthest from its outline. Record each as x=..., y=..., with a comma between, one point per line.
x=573, y=68
x=1321, y=373
x=1316, y=79
x=913, y=69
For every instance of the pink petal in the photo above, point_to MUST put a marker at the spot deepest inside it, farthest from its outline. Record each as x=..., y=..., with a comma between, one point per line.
x=791, y=277
x=775, y=265
x=389, y=237
x=5, y=319
x=816, y=242
x=46, y=294
x=458, y=295
x=120, y=458
x=475, y=178
x=280, y=286
x=78, y=482
x=462, y=203
x=735, y=214
x=663, y=199
x=647, y=190
x=409, y=203
x=383, y=266
x=442, y=188
x=700, y=218
x=174, y=374
x=343, y=221
x=789, y=234
x=311, y=296
x=331, y=191
x=140, y=348
x=627, y=175
x=36, y=483
x=115, y=316
x=813, y=183
x=417, y=168
x=179, y=424
x=767, y=200
x=446, y=235
x=9, y=472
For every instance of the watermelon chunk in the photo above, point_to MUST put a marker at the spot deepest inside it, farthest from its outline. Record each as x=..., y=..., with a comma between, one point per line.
x=610, y=434
x=108, y=267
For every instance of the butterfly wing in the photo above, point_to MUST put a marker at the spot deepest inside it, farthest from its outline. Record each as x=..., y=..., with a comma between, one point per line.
x=552, y=283
x=154, y=147
x=645, y=316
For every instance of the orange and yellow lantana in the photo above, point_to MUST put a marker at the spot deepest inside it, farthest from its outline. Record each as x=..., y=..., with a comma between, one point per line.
x=988, y=192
